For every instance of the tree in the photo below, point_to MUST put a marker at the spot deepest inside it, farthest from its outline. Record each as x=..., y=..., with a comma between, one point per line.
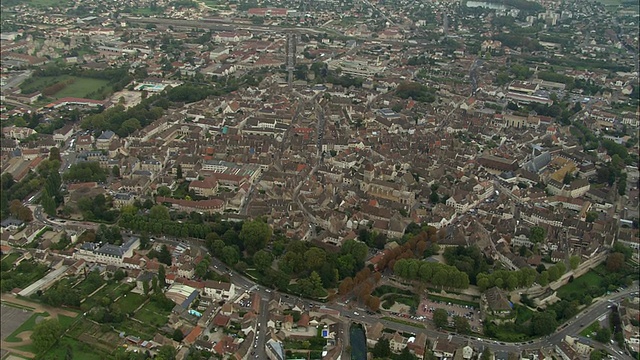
x=48, y=203
x=145, y=287
x=262, y=260
x=179, y=172
x=255, y=235
x=54, y=154
x=164, y=256
x=544, y=323
x=373, y=303
x=315, y=258
x=543, y=278
x=615, y=262
x=119, y=275
x=178, y=335
x=162, y=277
x=382, y=349
x=440, y=318
x=462, y=325
x=230, y=255
x=345, y=286
x=144, y=241
x=486, y=354
x=20, y=211
x=603, y=335
x=483, y=283
x=115, y=171
x=537, y=234
x=164, y=191
x=574, y=262
x=46, y=334
x=159, y=212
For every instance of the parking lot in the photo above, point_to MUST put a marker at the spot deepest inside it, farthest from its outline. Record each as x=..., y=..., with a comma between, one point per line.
x=427, y=307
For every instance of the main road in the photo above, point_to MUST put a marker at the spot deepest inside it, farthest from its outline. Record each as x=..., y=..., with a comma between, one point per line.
x=600, y=307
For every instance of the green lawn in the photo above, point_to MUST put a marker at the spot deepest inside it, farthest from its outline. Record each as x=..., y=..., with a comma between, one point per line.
x=26, y=326
x=454, y=301
x=66, y=321
x=111, y=291
x=9, y=259
x=591, y=329
x=130, y=302
x=17, y=306
x=580, y=285
x=399, y=321
x=81, y=87
x=152, y=315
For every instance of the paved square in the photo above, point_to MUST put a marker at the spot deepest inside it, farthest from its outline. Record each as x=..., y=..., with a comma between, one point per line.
x=11, y=318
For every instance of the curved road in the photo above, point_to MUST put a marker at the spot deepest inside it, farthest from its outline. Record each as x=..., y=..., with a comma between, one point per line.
x=573, y=327
x=599, y=308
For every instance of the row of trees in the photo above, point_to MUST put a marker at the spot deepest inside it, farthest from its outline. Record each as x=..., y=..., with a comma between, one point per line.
x=417, y=92
x=85, y=172
x=51, y=197
x=18, y=191
x=522, y=278
x=460, y=324
x=125, y=121
x=98, y=208
x=436, y=274
x=139, y=223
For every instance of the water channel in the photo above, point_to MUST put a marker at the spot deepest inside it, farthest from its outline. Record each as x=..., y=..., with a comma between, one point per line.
x=358, y=342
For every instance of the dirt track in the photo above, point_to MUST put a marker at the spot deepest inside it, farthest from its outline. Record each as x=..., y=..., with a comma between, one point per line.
x=25, y=335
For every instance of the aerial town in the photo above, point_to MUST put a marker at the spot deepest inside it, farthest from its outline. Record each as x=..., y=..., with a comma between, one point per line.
x=451, y=180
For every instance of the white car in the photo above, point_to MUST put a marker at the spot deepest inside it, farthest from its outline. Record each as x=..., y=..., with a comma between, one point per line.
x=356, y=313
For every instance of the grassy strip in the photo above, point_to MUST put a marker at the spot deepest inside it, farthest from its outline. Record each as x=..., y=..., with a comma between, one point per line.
x=17, y=306
x=399, y=321
x=26, y=326
x=590, y=329
x=454, y=301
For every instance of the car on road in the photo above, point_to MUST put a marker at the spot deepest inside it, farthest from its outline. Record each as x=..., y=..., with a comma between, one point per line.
x=356, y=313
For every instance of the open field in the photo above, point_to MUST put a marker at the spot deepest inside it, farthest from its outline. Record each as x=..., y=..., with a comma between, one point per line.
x=581, y=284
x=130, y=302
x=81, y=87
x=14, y=321
x=152, y=315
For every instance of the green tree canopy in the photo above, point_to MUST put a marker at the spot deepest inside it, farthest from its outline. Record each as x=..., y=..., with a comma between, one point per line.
x=440, y=318
x=255, y=235
x=46, y=334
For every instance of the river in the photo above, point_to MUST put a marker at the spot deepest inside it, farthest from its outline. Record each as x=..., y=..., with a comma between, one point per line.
x=358, y=342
